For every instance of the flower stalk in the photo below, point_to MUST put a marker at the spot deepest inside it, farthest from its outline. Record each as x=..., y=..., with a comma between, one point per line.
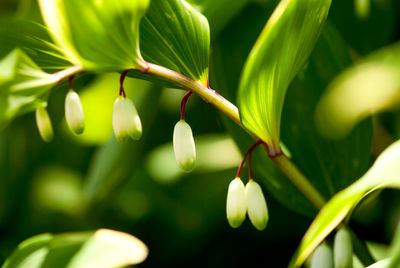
x=229, y=109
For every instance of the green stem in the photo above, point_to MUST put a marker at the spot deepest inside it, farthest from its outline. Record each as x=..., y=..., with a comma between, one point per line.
x=229, y=109
x=299, y=180
x=59, y=76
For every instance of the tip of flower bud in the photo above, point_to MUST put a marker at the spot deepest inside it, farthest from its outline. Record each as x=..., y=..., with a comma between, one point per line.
x=236, y=203
x=184, y=146
x=343, y=249
x=74, y=112
x=256, y=205
x=322, y=257
x=126, y=120
x=43, y=123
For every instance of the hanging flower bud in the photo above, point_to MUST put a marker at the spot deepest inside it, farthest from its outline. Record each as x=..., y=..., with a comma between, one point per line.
x=126, y=120
x=343, y=249
x=256, y=205
x=74, y=112
x=322, y=257
x=44, y=124
x=236, y=203
x=184, y=147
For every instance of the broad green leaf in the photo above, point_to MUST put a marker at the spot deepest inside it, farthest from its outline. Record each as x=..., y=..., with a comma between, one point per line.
x=394, y=250
x=219, y=12
x=330, y=165
x=175, y=35
x=278, y=55
x=23, y=86
x=98, y=35
x=226, y=64
x=374, y=29
x=32, y=38
x=384, y=173
x=371, y=86
x=102, y=248
x=114, y=162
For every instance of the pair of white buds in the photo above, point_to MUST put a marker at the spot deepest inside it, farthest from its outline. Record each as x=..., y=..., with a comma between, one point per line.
x=342, y=255
x=126, y=120
x=73, y=115
x=248, y=199
x=184, y=146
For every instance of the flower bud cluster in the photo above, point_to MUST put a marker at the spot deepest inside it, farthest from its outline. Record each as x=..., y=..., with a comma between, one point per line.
x=248, y=199
x=340, y=257
x=126, y=120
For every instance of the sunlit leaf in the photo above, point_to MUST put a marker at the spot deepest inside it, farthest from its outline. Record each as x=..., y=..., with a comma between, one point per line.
x=32, y=38
x=227, y=61
x=23, y=86
x=278, y=55
x=102, y=248
x=384, y=173
x=98, y=35
x=175, y=35
x=371, y=86
x=330, y=165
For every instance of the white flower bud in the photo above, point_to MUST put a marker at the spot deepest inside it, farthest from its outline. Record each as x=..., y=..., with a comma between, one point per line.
x=126, y=121
x=343, y=249
x=322, y=257
x=74, y=112
x=44, y=124
x=236, y=203
x=256, y=205
x=184, y=147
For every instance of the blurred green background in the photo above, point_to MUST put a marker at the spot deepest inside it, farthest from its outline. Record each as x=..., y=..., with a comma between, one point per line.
x=91, y=181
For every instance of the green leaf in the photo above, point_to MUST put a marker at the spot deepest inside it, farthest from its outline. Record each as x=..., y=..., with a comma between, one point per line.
x=226, y=63
x=366, y=25
x=278, y=55
x=175, y=35
x=219, y=12
x=330, y=165
x=384, y=173
x=102, y=248
x=32, y=38
x=371, y=86
x=98, y=35
x=395, y=250
x=23, y=86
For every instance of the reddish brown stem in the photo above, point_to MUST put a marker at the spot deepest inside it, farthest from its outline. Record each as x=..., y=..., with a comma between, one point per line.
x=183, y=104
x=121, y=81
x=245, y=156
